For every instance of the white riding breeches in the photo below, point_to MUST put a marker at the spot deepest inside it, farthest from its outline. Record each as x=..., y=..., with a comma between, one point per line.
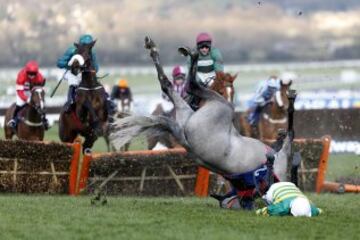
x=206, y=78
x=19, y=101
x=72, y=79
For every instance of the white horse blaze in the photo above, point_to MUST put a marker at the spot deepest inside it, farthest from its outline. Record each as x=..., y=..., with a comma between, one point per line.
x=279, y=99
x=39, y=91
x=229, y=92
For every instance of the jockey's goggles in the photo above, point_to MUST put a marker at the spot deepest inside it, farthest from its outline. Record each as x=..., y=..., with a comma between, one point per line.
x=204, y=45
x=31, y=73
x=180, y=77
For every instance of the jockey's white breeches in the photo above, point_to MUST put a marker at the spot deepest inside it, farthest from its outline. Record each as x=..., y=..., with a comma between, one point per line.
x=72, y=79
x=206, y=78
x=19, y=101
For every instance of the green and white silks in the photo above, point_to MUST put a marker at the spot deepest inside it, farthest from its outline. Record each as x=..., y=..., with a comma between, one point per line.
x=284, y=198
x=208, y=65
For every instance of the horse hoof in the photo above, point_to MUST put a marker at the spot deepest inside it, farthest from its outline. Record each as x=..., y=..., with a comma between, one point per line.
x=185, y=51
x=93, y=201
x=149, y=43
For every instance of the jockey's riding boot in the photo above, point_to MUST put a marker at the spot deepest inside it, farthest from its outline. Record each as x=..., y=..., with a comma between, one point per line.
x=45, y=122
x=14, y=120
x=110, y=109
x=255, y=131
x=70, y=98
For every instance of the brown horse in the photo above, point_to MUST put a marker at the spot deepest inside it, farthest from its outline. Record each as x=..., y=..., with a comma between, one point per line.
x=89, y=115
x=273, y=116
x=30, y=125
x=222, y=84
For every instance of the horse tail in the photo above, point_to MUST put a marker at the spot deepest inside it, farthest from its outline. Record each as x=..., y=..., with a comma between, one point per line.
x=125, y=129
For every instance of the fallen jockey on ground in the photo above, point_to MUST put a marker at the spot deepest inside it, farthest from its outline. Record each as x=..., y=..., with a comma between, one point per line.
x=284, y=199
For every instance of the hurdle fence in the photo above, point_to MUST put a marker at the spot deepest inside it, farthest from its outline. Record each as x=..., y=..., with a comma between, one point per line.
x=38, y=167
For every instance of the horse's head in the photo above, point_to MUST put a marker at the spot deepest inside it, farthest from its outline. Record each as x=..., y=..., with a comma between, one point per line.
x=37, y=99
x=84, y=50
x=223, y=85
x=281, y=98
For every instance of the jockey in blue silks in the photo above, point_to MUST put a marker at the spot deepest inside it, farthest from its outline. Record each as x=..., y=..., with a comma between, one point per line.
x=264, y=92
x=74, y=79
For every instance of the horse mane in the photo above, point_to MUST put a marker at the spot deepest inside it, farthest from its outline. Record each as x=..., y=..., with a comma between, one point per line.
x=222, y=80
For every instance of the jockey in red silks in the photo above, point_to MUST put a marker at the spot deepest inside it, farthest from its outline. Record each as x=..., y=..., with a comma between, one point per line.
x=28, y=77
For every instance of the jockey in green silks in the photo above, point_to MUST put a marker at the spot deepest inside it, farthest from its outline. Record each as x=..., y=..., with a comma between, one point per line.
x=209, y=63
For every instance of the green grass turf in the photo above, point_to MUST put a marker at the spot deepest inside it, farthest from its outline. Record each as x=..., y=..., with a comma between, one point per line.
x=343, y=165
x=56, y=217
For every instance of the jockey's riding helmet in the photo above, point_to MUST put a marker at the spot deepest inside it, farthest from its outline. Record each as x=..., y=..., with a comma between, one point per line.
x=203, y=39
x=32, y=67
x=123, y=83
x=86, y=39
x=178, y=71
x=287, y=78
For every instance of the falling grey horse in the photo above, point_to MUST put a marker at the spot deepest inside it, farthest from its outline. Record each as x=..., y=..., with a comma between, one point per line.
x=208, y=134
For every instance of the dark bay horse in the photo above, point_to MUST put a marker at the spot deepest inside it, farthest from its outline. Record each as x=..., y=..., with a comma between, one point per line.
x=273, y=117
x=89, y=115
x=30, y=125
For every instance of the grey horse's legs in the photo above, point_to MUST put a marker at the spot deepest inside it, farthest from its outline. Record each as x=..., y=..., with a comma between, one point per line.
x=182, y=109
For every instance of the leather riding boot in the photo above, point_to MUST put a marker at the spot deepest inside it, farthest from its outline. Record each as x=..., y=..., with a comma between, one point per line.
x=70, y=98
x=45, y=122
x=110, y=109
x=255, y=131
x=14, y=120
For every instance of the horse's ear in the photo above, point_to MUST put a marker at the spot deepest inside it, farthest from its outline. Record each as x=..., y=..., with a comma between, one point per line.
x=92, y=44
x=76, y=45
x=234, y=77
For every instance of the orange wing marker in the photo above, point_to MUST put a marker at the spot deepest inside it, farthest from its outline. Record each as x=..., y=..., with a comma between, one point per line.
x=74, y=167
x=202, y=182
x=323, y=163
x=84, y=174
